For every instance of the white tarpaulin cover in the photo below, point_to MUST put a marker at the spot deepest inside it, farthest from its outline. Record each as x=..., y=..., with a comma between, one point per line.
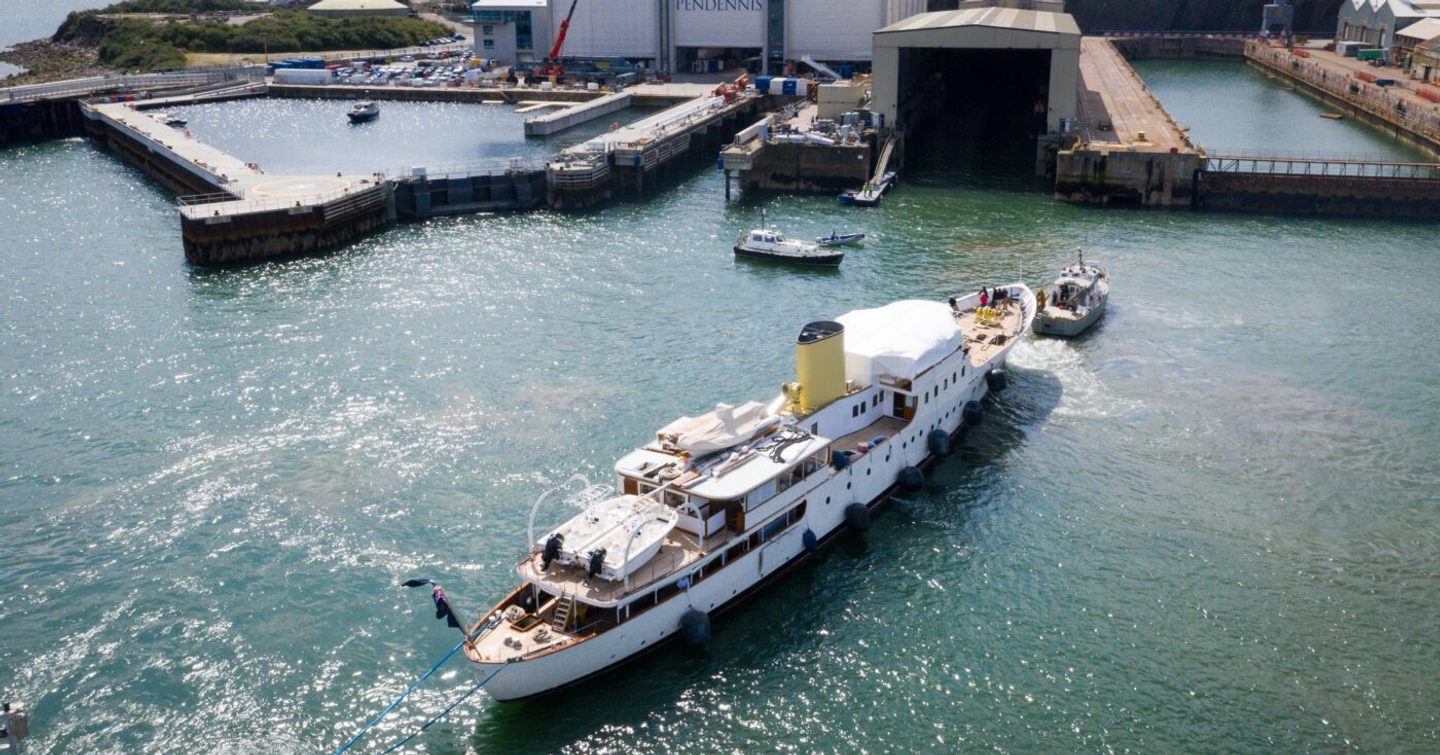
x=902, y=339
x=723, y=428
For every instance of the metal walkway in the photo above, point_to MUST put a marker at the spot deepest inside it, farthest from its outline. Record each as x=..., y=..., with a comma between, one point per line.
x=1334, y=167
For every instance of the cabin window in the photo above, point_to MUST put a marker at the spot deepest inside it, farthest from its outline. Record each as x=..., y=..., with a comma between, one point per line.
x=927, y=398
x=674, y=499
x=737, y=550
x=854, y=411
x=815, y=429
x=760, y=495
x=953, y=377
x=882, y=395
x=797, y=513
x=875, y=400
x=666, y=591
x=772, y=529
x=863, y=408
x=646, y=488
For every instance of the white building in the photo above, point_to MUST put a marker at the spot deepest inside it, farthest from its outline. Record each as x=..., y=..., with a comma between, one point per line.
x=1376, y=21
x=673, y=35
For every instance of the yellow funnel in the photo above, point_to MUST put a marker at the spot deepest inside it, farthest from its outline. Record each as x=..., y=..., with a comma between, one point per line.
x=820, y=364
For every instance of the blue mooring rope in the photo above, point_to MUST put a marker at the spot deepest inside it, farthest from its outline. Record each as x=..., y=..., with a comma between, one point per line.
x=376, y=720
x=443, y=713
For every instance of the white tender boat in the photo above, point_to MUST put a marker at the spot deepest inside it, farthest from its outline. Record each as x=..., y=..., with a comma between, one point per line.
x=716, y=506
x=1074, y=302
x=840, y=239
x=771, y=245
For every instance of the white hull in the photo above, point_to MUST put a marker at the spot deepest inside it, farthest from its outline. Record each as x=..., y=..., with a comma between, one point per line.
x=867, y=480
x=1068, y=327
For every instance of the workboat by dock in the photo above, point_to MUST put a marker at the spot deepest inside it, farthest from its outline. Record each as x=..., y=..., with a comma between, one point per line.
x=1074, y=302
x=716, y=506
x=869, y=195
x=771, y=245
x=840, y=239
x=364, y=111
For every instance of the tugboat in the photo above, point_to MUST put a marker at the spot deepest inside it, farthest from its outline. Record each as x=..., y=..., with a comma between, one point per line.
x=364, y=111
x=716, y=506
x=1074, y=302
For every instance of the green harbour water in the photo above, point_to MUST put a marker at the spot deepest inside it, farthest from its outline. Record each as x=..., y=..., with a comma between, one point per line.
x=1212, y=525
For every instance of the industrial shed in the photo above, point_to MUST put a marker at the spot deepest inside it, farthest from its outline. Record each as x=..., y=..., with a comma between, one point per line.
x=1030, y=59
x=358, y=8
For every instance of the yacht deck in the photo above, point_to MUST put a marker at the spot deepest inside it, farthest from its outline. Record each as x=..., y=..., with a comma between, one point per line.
x=679, y=550
x=981, y=338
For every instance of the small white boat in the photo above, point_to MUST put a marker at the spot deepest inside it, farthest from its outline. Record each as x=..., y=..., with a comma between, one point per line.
x=171, y=120
x=364, y=111
x=840, y=239
x=771, y=245
x=1074, y=302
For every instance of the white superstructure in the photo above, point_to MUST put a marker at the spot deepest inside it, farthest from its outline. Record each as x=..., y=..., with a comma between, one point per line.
x=717, y=505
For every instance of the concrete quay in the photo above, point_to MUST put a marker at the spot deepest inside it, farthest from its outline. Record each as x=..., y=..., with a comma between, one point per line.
x=632, y=157
x=575, y=115
x=239, y=212
x=1347, y=85
x=1128, y=150
x=763, y=159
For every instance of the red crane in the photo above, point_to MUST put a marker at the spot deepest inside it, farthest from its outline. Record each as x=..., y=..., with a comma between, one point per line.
x=552, y=67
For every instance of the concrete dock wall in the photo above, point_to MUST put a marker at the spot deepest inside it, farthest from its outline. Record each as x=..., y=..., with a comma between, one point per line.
x=428, y=94
x=38, y=121
x=1162, y=47
x=553, y=123
x=808, y=168
x=155, y=161
x=283, y=231
x=1416, y=124
x=1331, y=196
x=1147, y=179
x=503, y=191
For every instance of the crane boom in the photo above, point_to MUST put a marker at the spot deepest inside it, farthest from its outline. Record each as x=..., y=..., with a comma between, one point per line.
x=560, y=35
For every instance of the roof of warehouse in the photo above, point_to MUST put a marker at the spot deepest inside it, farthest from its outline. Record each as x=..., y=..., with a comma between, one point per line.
x=1423, y=30
x=358, y=5
x=998, y=18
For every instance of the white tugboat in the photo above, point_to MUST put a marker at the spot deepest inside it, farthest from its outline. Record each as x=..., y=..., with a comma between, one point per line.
x=1074, y=302
x=716, y=506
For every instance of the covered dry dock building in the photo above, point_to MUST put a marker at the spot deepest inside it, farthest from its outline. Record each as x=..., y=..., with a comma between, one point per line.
x=686, y=35
x=1016, y=68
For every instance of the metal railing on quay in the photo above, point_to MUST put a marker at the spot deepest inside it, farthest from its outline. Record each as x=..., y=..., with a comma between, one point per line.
x=1284, y=154
x=201, y=206
x=194, y=76
x=463, y=170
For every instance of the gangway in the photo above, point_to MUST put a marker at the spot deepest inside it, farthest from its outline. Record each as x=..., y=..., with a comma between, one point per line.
x=810, y=60
x=882, y=166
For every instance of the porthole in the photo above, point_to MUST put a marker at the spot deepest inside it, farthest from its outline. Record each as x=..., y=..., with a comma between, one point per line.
x=847, y=486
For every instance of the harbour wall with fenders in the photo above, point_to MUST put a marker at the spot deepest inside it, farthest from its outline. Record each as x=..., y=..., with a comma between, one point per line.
x=1411, y=120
